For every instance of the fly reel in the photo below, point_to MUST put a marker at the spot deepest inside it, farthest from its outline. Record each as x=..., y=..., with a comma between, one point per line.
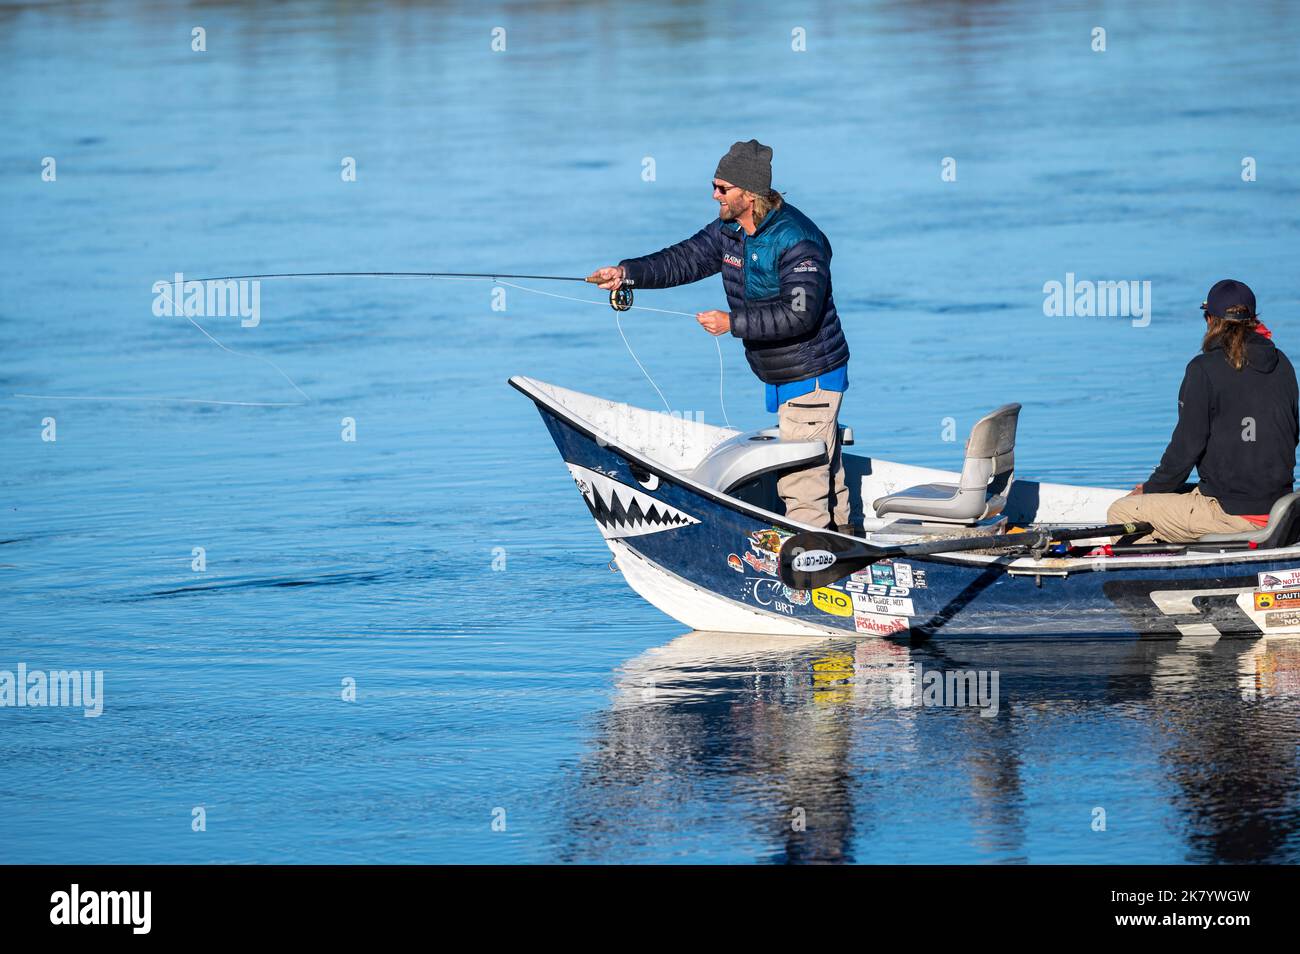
x=620, y=298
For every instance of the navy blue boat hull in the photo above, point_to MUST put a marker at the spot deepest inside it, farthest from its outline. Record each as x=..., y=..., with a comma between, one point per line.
x=724, y=549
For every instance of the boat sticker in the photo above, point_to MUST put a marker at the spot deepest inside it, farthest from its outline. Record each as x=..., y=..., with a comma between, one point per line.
x=768, y=593
x=797, y=597
x=811, y=560
x=623, y=511
x=767, y=565
x=854, y=587
x=1271, y=618
x=879, y=589
x=734, y=562
x=1273, y=599
x=896, y=579
x=883, y=605
x=879, y=624
x=832, y=601
x=1279, y=579
x=768, y=541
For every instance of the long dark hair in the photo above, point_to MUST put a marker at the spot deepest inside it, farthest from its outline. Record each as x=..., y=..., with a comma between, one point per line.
x=1231, y=332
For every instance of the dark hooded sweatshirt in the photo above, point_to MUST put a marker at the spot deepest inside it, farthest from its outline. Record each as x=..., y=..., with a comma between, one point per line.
x=1237, y=428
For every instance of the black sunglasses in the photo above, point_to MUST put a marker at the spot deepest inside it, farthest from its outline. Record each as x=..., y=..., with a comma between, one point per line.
x=723, y=189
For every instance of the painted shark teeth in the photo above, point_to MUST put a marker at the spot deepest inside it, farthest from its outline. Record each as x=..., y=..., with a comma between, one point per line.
x=623, y=511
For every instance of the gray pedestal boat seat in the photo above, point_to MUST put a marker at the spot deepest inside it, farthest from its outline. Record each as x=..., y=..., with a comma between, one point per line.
x=1282, y=529
x=743, y=458
x=985, y=479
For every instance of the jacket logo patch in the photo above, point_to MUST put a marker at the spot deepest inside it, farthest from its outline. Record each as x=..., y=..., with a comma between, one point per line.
x=807, y=265
x=732, y=260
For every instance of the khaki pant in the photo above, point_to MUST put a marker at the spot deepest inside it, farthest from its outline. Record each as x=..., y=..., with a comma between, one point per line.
x=807, y=493
x=1176, y=518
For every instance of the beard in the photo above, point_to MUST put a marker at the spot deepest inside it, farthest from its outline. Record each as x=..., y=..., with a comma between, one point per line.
x=726, y=212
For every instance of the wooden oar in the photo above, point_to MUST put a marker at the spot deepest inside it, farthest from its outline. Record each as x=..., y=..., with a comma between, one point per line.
x=812, y=559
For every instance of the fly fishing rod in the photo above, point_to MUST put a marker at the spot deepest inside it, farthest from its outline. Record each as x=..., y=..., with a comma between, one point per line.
x=811, y=559
x=620, y=297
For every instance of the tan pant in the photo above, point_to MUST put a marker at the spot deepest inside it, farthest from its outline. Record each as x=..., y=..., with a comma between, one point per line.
x=807, y=493
x=1176, y=518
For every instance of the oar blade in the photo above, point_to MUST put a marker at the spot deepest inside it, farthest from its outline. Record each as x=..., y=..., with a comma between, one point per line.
x=811, y=559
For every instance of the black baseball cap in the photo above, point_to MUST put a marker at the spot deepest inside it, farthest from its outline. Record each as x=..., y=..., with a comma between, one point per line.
x=1228, y=294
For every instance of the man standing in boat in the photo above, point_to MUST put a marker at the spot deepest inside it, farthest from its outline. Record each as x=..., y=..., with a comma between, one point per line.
x=775, y=266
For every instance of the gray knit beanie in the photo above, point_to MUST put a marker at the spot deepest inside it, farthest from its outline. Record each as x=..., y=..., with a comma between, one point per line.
x=748, y=165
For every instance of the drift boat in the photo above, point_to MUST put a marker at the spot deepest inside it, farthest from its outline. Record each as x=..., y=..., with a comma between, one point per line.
x=691, y=513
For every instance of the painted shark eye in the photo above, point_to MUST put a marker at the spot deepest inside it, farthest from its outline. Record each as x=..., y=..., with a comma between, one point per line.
x=643, y=477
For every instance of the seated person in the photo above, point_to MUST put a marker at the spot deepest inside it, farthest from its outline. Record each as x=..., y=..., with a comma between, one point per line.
x=1237, y=425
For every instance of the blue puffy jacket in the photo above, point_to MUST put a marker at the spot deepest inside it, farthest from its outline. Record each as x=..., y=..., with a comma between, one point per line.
x=778, y=285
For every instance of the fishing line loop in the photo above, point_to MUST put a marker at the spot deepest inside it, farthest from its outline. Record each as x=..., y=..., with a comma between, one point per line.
x=621, y=299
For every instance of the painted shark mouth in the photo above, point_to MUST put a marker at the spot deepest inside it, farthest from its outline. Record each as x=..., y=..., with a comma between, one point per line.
x=623, y=511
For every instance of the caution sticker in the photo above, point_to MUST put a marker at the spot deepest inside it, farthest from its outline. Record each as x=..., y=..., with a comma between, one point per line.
x=1277, y=599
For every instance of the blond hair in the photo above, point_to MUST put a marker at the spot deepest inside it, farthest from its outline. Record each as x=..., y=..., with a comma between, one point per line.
x=765, y=202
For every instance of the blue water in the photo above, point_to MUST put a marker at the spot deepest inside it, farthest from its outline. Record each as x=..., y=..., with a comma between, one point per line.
x=543, y=694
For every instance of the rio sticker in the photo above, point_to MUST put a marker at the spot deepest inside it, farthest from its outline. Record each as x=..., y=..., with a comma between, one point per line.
x=832, y=601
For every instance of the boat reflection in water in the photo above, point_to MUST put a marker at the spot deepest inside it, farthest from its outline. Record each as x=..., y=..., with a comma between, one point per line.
x=734, y=747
